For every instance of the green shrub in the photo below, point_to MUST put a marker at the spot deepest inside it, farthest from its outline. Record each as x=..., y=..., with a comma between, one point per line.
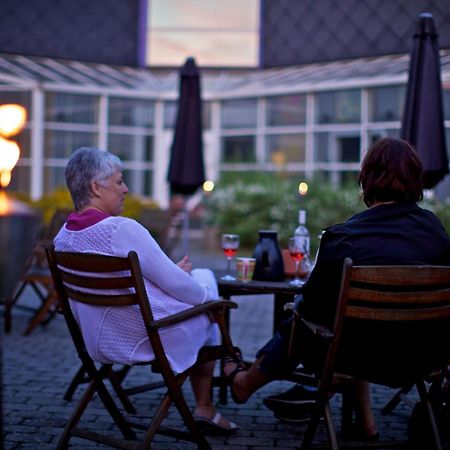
x=244, y=207
x=60, y=199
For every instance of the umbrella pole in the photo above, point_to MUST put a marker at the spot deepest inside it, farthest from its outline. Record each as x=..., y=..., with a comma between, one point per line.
x=185, y=246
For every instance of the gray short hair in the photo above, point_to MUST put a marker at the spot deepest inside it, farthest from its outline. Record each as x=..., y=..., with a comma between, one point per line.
x=88, y=164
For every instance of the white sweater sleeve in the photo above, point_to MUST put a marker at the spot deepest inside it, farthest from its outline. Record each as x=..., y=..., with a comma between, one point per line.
x=157, y=267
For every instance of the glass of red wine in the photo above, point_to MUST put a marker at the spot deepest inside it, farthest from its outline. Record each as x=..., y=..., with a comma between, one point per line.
x=230, y=245
x=297, y=250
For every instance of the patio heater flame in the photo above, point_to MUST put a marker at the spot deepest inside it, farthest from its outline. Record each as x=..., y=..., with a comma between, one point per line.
x=18, y=222
x=12, y=120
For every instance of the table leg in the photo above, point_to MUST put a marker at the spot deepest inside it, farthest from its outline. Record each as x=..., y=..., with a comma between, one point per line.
x=221, y=382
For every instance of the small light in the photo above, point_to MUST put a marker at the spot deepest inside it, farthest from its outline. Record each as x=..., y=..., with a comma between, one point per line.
x=208, y=186
x=12, y=119
x=303, y=188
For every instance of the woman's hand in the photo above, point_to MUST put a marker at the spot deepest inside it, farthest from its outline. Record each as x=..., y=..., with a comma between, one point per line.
x=185, y=264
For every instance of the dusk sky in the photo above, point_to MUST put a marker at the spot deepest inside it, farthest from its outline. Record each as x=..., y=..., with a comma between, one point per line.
x=215, y=32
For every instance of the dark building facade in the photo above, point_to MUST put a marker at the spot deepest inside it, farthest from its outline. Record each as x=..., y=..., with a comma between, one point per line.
x=292, y=31
x=306, y=31
x=105, y=31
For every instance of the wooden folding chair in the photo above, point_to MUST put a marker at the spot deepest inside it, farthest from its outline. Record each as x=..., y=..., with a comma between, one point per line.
x=37, y=276
x=396, y=301
x=83, y=277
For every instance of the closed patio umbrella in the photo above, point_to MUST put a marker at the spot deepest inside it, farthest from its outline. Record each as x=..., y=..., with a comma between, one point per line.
x=186, y=170
x=423, y=120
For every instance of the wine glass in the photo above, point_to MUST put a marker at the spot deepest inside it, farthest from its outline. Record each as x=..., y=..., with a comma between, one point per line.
x=230, y=244
x=297, y=250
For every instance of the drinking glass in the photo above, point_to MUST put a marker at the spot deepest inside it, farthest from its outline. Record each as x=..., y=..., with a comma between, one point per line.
x=297, y=250
x=230, y=244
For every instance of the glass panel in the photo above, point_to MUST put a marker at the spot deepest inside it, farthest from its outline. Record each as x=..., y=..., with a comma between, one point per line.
x=446, y=100
x=239, y=113
x=73, y=108
x=24, y=141
x=239, y=149
x=206, y=115
x=375, y=135
x=20, y=180
x=286, y=148
x=61, y=144
x=53, y=178
x=338, y=106
x=139, y=182
x=321, y=153
x=286, y=110
x=336, y=147
x=20, y=97
x=131, y=112
x=447, y=140
x=387, y=103
x=170, y=114
x=131, y=147
x=349, y=148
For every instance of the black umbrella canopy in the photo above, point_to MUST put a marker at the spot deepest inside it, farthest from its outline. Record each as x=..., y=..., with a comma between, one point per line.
x=423, y=120
x=186, y=169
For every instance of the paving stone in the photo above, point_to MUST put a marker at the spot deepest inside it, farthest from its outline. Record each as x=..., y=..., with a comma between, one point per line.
x=38, y=368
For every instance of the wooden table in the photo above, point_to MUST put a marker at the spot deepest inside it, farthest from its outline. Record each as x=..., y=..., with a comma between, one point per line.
x=283, y=293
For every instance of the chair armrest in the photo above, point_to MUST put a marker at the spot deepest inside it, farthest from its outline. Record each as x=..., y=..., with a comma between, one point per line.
x=212, y=306
x=319, y=330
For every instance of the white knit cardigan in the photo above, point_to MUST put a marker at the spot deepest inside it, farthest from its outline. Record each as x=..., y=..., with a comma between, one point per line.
x=117, y=335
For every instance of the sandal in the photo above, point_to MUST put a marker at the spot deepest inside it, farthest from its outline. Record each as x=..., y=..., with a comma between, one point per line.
x=211, y=426
x=241, y=366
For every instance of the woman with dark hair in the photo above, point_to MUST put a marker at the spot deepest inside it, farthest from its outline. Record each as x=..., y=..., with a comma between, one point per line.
x=393, y=230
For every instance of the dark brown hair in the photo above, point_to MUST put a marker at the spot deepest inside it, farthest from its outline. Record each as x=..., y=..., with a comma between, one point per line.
x=391, y=171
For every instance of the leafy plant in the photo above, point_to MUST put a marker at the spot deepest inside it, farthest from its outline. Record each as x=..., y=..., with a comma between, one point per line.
x=60, y=199
x=246, y=206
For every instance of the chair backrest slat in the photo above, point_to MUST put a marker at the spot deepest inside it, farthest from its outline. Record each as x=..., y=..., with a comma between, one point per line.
x=403, y=293
x=92, y=262
x=401, y=298
x=108, y=281
x=102, y=300
x=400, y=315
x=402, y=275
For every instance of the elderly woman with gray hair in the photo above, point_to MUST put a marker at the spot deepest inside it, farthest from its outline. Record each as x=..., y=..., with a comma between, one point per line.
x=95, y=181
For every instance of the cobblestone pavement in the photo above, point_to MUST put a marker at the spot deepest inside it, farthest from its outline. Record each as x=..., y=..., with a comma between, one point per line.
x=38, y=368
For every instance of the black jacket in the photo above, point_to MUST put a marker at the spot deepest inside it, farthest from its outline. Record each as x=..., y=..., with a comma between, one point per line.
x=397, y=233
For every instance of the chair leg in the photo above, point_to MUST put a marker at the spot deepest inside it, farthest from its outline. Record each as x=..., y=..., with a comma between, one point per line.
x=348, y=407
x=9, y=303
x=174, y=395
x=396, y=399
x=331, y=431
x=40, y=315
x=78, y=379
x=430, y=413
x=321, y=406
x=123, y=397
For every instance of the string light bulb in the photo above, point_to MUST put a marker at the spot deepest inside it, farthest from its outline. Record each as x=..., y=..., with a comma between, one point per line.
x=303, y=188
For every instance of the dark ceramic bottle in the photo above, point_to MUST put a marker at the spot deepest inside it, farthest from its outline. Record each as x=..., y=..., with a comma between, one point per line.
x=269, y=262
